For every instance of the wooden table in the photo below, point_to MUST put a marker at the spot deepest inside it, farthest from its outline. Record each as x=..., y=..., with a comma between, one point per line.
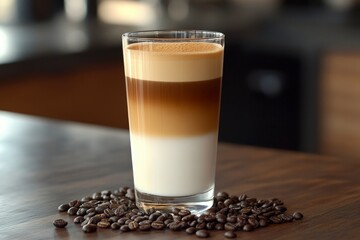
x=44, y=163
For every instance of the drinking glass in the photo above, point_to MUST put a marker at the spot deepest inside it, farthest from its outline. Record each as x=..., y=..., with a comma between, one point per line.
x=173, y=85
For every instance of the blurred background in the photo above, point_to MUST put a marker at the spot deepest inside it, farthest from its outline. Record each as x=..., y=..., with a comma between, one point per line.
x=291, y=74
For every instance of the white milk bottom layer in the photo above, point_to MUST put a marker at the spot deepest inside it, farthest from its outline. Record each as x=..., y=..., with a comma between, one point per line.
x=174, y=166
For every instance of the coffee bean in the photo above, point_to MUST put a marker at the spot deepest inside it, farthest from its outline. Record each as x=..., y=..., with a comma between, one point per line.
x=145, y=227
x=276, y=219
x=117, y=209
x=63, y=207
x=263, y=223
x=221, y=204
x=188, y=218
x=201, y=219
x=79, y=219
x=120, y=211
x=90, y=210
x=105, y=197
x=286, y=217
x=190, y=230
x=256, y=211
x=136, y=211
x=266, y=204
x=103, y=224
x=269, y=214
x=298, y=215
x=60, y=223
x=89, y=228
x=86, y=199
x=184, y=225
x=87, y=205
x=113, y=219
x=72, y=211
x=210, y=225
x=277, y=202
x=146, y=221
x=248, y=228
x=81, y=212
x=109, y=212
x=113, y=205
x=210, y=218
x=122, y=220
x=200, y=226
x=211, y=211
x=202, y=234
x=221, y=218
x=75, y=203
x=222, y=194
x=219, y=226
x=101, y=215
x=130, y=194
x=175, y=226
x=95, y=219
x=280, y=208
x=115, y=226
x=106, y=192
x=97, y=196
x=231, y=219
x=224, y=211
x=167, y=215
x=230, y=234
x=161, y=218
x=124, y=228
x=123, y=189
x=101, y=208
x=90, y=215
x=229, y=226
x=193, y=223
x=154, y=216
x=150, y=211
x=184, y=212
x=168, y=221
x=252, y=221
x=139, y=219
x=242, y=197
x=157, y=225
x=246, y=210
x=86, y=221
x=228, y=202
x=252, y=200
x=133, y=225
x=244, y=204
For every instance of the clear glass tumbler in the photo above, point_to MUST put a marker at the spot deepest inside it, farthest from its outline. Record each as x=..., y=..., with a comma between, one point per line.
x=173, y=84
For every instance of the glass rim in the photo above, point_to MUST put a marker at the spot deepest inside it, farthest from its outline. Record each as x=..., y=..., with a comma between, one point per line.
x=144, y=35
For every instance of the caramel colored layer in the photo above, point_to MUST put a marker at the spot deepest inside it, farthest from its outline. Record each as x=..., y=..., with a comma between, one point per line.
x=173, y=109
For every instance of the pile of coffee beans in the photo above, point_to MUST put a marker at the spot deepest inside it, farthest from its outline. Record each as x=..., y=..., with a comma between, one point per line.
x=117, y=210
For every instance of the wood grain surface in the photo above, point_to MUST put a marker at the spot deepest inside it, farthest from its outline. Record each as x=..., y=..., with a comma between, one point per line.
x=45, y=163
x=339, y=129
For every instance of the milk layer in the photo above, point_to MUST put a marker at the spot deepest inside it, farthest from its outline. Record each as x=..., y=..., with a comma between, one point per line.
x=178, y=166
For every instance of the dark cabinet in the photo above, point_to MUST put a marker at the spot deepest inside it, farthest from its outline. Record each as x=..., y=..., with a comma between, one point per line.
x=261, y=98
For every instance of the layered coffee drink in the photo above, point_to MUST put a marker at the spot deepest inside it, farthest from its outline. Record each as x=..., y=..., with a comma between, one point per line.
x=173, y=93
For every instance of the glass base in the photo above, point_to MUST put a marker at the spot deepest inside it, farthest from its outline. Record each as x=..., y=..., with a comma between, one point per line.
x=196, y=204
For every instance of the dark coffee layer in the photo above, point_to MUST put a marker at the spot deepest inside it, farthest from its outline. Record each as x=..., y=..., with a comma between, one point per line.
x=173, y=108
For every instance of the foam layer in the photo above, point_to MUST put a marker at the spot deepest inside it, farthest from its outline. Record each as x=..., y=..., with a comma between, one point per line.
x=174, y=62
x=174, y=166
